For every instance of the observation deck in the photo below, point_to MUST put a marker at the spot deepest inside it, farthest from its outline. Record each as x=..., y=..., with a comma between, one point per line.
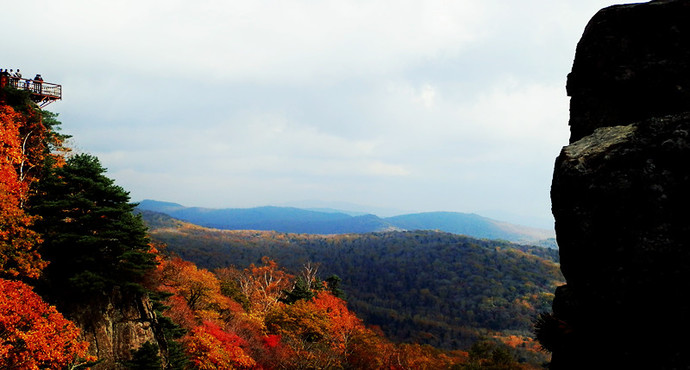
x=42, y=93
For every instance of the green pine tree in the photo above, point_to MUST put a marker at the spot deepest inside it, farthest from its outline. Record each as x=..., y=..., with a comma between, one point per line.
x=177, y=358
x=93, y=240
x=145, y=358
x=333, y=283
x=299, y=291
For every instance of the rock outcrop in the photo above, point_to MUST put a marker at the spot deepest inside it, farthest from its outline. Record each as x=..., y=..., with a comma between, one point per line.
x=630, y=64
x=118, y=327
x=621, y=194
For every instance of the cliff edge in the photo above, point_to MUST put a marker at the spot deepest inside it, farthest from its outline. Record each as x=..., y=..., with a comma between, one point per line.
x=621, y=191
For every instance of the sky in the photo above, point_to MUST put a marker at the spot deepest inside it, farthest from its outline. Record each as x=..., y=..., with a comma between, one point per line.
x=388, y=107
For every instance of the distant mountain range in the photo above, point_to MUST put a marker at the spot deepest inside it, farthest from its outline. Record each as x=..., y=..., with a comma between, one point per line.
x=304, y=221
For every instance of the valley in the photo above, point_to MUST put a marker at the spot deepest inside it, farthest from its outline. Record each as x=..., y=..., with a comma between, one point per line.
x=429, y=287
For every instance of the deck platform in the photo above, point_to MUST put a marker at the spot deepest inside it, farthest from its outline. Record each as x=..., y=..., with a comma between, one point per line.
x=42, y=93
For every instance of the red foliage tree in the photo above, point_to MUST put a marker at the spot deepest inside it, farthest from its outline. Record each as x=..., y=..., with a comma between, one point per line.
x=33, y=334
x=210, y=347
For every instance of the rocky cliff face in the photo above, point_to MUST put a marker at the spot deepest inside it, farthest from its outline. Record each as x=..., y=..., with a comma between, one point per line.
x=118, y=327
x=621, y=193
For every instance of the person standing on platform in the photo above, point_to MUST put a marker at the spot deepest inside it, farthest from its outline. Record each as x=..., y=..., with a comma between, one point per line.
x=38, y=86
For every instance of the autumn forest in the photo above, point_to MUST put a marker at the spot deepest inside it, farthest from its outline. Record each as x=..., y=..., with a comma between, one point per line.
x=75, y=251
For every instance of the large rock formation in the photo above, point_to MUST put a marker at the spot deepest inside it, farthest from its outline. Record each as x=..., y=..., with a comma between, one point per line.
x=630, y=64
x=621, y=193
x=117, y=327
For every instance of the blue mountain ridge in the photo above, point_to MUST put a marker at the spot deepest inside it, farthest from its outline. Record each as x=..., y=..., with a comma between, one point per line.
x=303, y=221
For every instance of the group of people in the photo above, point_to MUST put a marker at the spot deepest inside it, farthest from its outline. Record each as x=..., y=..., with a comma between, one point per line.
x=13, y=79
x=11, y=73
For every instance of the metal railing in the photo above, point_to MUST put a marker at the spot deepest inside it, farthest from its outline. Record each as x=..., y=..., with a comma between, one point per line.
x=45, y=89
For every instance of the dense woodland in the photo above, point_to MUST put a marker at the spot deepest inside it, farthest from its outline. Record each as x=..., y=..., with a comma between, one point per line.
x=428, y=287
x=69, y=240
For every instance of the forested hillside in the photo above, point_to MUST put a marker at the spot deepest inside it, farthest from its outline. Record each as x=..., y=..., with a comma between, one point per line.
x=82, y=285
x=423, y=286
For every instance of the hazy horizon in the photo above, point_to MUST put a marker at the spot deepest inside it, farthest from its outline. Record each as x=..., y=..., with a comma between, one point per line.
x=413, y=105
x=359, y=209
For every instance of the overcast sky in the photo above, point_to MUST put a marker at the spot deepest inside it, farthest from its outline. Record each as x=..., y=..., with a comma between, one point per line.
x=398, y=106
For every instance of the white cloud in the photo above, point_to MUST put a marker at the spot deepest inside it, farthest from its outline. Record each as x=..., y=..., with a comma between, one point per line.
x=407, y=104
x=288, y=41
x=385, y=169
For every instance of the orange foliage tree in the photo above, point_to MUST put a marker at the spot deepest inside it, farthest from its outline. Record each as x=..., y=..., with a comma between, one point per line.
x=264, y=285
x=343, y=324
x=305, y=330
x=28, y=144
x=195, y=294
x=18, y=242
x=33, y=334
x=211, y=319
x=323, y=333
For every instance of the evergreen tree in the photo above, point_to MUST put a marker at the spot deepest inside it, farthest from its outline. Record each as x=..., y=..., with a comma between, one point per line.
x=93, y=241
x=231, y=289
x=299, y=291
x=333, y=283
x=491, y=355
x=177, y=358
x=145, y=358
x=172, y=332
